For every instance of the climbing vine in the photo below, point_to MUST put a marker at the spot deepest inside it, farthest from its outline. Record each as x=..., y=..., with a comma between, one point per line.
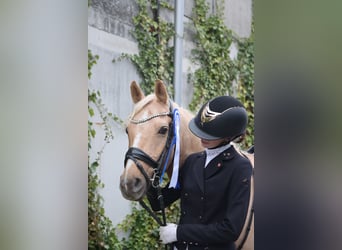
x=216, y=70
x=246, y=83
x=101, y=233
x=218, y=74
x=143, y=229
x=153, y=35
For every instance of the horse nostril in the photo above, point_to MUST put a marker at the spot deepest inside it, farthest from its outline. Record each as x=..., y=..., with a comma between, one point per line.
x=132, y=186
x=137, y=183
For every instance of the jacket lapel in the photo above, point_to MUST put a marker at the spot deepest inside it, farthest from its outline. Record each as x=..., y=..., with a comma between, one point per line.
x=200, y=173
x=198, y=170
x=213, y=167
x=218, y=163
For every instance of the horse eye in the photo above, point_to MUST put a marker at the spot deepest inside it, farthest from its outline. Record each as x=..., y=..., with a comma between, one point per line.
x=126, y=130
x=163, y=130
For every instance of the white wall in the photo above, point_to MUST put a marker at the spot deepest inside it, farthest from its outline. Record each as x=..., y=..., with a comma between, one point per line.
x=112, y=80
x=238, y=16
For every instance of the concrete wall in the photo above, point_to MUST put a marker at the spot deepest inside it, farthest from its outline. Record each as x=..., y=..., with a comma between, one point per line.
x=109, y=36
x=238, y=16
x=109, y=26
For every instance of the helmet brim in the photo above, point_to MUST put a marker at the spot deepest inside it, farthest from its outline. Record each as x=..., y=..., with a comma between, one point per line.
x=200, y=133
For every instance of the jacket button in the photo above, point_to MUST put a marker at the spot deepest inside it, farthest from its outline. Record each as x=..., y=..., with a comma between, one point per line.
x=200, y=217
x=202, y=198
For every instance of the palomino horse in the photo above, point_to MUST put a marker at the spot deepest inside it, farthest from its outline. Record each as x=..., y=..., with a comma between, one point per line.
x=149, y=131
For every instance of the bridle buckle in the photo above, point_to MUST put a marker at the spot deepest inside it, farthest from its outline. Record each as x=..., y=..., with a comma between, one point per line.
x=155, y=180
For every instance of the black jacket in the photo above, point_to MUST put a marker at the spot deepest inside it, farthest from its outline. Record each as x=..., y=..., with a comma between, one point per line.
x=214, y=200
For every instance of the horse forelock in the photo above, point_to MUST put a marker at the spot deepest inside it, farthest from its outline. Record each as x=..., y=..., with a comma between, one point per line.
x=139, y=106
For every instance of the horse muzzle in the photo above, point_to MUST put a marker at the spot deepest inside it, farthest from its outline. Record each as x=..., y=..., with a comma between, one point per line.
x=132, y=187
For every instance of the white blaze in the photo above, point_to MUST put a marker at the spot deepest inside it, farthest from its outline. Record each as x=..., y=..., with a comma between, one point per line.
x=130, y=163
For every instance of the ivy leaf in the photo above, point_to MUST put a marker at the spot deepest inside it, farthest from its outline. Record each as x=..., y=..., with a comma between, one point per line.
x=93, y=132
x=91, y=111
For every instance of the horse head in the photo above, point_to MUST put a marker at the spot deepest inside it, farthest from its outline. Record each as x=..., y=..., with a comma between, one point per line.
x=149, y=130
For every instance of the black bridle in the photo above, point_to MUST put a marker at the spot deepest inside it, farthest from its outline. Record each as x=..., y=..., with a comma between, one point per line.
x=137, y=155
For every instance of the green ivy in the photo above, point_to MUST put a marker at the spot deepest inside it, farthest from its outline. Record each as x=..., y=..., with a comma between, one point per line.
x=143, y=230
x=92, y=59
x=101, y=233
x=216, y=70
x=246, y=84
x=153, y=35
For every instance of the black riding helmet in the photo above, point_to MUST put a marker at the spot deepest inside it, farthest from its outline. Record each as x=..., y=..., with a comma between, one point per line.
x=221, y=117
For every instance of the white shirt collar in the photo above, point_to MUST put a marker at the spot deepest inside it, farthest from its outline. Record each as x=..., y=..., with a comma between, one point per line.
x=212, y=153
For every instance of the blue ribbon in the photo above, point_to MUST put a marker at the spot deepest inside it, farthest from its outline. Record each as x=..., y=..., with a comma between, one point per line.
x=175, y=141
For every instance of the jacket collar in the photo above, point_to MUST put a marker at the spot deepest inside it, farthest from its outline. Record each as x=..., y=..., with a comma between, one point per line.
x=212, y=153
x=201, y=173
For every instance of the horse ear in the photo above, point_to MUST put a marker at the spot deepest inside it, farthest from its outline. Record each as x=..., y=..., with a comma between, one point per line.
x=136, y=92
x=160, y=91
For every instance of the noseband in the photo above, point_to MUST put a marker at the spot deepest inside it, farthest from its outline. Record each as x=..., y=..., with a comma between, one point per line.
x=136, y=154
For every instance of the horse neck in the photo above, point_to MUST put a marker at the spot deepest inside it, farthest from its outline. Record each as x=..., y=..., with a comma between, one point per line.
x=188, y=142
